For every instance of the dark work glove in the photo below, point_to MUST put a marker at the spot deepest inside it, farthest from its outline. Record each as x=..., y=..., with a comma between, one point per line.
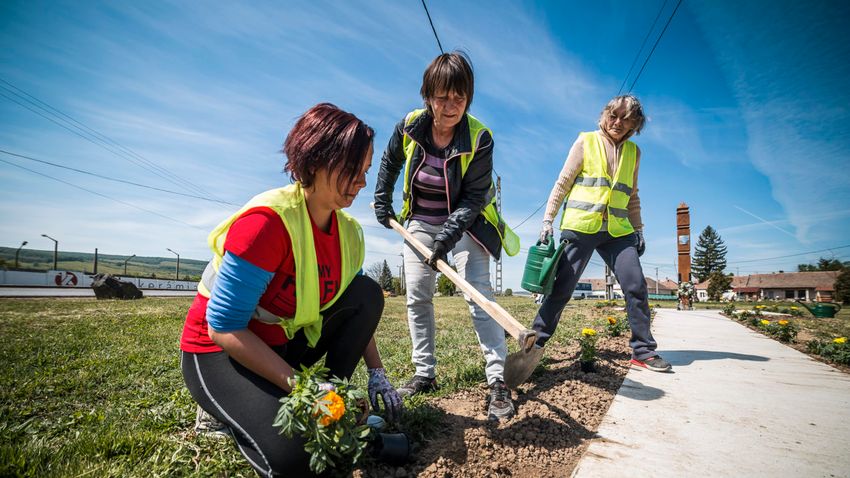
x=641, y=244
x=379, y=386
x=385, y=216
x=438, y=254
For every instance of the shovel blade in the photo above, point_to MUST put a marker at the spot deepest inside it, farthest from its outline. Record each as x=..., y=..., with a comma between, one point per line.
x=520, y=365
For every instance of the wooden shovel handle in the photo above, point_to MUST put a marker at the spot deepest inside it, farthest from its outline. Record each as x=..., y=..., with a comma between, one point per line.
x=500, y=315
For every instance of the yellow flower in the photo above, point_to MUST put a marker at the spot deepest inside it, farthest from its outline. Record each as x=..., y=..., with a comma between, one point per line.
x=336, y=408
x=588, y=332
x=760, y=307
x=765, y=322
x=793, y=307
x=840, y=340
x=612, y=321
x=783, y=323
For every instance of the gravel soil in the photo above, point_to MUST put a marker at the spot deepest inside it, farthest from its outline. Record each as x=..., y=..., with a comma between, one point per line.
x=558, y=411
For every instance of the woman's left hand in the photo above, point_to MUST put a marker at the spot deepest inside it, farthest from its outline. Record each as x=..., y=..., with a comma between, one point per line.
x=641, y=243
x=380, y=385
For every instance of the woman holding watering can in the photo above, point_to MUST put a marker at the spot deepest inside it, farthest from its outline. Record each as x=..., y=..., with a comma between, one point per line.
x=599, y=182
x=448, y=204
x=284, y=290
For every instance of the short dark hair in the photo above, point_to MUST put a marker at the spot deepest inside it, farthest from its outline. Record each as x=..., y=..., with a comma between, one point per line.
x=327, y=137
x=449, y=72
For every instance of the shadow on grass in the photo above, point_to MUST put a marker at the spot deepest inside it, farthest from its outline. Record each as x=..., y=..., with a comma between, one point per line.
x=687, y=357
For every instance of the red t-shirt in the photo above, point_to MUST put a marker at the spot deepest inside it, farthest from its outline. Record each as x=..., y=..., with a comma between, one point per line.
x=260, y=238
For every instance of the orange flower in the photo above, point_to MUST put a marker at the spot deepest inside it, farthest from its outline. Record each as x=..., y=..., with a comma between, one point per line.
x=336, y=407
x=783, y=323
x=612, y=321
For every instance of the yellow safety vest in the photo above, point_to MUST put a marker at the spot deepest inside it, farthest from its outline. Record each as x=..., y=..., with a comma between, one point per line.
x=594, y=191
x=510, y=241
x=288, y=202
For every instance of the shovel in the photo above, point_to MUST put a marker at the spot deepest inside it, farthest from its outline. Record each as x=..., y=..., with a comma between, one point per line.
x=518, y=365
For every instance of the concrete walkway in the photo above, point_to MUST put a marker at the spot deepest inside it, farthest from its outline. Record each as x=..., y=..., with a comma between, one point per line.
x=738, y=404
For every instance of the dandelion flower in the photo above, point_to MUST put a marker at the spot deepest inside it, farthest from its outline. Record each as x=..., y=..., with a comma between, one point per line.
x=840, y=340
x=336, y=408
x=612, y=321
x=783, y=323
x=793, y=307
x=588, y=332
x=765, y=322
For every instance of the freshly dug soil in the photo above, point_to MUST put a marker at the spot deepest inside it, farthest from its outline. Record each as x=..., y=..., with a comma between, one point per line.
x=558, y=412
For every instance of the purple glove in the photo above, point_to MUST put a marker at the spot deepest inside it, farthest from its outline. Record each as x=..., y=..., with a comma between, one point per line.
x=379, y=385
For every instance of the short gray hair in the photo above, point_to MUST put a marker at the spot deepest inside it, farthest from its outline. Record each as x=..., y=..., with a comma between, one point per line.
x=634, y=110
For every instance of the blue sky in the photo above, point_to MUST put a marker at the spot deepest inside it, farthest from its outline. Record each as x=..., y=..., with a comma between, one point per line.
x=747, y=103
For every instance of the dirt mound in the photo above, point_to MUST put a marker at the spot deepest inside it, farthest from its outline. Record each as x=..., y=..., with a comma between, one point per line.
x=558, y=410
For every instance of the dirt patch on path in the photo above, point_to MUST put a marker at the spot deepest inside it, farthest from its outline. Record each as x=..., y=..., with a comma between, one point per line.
x=558, y=411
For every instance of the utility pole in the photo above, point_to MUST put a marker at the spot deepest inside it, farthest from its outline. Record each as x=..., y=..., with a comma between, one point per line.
x=656, y=281
x=609, y=284
x=401, y=275
x=499, y=210
x=55, y=251
x=95, y=261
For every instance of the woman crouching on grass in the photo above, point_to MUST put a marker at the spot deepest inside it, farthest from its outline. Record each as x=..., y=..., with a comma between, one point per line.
x=283, y=290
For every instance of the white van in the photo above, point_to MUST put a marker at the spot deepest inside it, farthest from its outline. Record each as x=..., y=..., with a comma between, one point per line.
x=583, y=290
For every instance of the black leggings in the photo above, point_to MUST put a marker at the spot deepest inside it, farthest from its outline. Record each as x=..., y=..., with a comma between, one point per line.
x=248, y=403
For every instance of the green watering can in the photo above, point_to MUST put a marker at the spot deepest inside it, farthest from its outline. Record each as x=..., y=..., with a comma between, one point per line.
x=540, y=265
x=822, y=309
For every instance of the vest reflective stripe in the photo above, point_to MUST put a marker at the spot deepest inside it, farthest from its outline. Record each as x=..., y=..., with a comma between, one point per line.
x=288, y=202
x=595, y=192
x=509, y=239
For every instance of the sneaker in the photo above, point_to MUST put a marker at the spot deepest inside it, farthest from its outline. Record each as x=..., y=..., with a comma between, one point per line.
x=499, y=403
x=656, y=364
x=206, y=424
x=418, y=384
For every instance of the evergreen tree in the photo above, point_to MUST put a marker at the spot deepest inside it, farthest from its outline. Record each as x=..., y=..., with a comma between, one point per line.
x=385, y=279
x=709, y=254
x=718, y=283
x=842, y=287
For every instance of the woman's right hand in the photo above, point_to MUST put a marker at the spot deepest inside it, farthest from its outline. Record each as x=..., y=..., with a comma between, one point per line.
x=545, y=232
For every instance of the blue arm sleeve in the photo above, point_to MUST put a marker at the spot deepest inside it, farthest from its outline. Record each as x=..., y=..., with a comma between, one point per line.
x=237, y=291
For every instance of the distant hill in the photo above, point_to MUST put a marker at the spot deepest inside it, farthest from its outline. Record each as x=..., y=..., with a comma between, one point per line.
x=161, y=267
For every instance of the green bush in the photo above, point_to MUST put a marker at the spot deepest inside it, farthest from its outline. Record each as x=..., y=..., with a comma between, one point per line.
x=729, y=310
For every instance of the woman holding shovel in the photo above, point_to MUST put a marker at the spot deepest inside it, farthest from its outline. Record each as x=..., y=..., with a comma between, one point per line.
x=599, y=182
x=448, y=204
x=284, y=290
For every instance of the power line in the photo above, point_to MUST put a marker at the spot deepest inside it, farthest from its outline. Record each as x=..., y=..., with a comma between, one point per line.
x=89, y=134
x=529, y=216
x=432, y=27
x=123, y=181
x=655, y=45
x=637, y=55
x=789, y=255
x=99, y=194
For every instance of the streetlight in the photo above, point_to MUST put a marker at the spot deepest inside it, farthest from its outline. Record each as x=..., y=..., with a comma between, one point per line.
x=55, y=251
x=18, y=252
x=178, y=262
x=125, y=263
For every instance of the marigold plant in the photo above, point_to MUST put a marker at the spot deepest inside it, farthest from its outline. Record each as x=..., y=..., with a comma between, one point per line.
x=587, y=342
x=327, y=420
x=836, y=350
x=616, y=327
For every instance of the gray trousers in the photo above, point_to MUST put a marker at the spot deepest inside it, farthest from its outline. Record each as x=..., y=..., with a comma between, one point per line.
x=620, y=253
x=473, y=264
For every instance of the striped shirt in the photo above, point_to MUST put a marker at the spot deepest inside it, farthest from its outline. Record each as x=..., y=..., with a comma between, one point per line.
x=430, y=203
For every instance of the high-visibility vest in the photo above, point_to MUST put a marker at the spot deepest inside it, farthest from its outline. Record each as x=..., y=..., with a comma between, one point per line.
x=510, y=241
x=288, y=202
x=594, y=191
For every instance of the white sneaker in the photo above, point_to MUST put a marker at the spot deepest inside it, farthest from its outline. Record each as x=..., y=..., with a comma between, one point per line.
x=206, y=424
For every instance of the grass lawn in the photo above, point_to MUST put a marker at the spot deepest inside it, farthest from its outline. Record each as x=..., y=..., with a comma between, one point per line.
x=93, y=388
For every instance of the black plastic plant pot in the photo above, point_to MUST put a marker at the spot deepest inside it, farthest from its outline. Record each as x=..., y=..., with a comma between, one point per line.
x=392, y=448
x=588, y=367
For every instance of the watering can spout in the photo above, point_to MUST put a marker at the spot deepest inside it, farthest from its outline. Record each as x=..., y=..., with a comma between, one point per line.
x=806, y=306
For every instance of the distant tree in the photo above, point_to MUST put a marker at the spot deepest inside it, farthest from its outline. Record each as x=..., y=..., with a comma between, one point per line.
x=718, y=283
x=397, y=288
x=374, y=270
x=3, y=264
x=445, y=286
x=709, y=254
x=385, y=278
x=842, y=287
x=823, y=264
x=509, y=292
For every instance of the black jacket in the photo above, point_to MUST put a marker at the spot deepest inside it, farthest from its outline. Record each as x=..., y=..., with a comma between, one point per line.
x=467, y=194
